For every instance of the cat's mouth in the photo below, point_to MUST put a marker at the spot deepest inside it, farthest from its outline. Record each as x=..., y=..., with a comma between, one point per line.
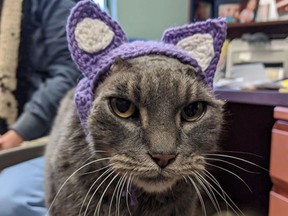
x=155, y=184
x=155, y=179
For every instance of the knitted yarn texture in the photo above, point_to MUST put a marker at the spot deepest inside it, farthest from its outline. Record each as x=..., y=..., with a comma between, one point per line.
x=9, y=45
x=95, y=41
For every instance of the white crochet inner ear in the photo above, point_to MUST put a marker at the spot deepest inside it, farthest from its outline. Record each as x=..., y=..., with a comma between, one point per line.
x=200, y=47
x=93, y=35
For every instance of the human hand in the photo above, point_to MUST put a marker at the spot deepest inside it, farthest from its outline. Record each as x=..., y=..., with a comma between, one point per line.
x=10, y=140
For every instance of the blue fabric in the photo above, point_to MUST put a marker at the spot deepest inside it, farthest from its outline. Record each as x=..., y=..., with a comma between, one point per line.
x=51, y=71
x=22, y=189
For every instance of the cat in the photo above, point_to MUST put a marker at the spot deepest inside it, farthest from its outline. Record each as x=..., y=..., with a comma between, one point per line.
x=131, y=138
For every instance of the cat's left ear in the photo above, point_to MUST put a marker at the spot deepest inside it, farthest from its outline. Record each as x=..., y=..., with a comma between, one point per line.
x=202, y=41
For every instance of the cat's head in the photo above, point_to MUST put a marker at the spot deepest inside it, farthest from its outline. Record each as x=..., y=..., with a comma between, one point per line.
x=148, y=104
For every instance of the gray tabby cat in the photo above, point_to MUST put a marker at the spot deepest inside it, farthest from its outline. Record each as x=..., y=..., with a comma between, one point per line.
x=140, y=148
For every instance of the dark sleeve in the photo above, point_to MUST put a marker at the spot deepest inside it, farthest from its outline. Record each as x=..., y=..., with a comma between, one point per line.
x=49, y=56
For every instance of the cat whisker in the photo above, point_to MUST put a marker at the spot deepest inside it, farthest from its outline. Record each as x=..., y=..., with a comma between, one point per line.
x=97, y=210
x=87, y=173
x=236, y=158
x=108, y=170
x=199, y=195
x=209, y=164
x=208, y=191
x=223, y=195
x=120, y=193
x=240, y=152
x=95, y=151
x=76, y=171
x=90, y=200
x=129, y=183
x=214, y=180
x=227, y=162
x=114, y=192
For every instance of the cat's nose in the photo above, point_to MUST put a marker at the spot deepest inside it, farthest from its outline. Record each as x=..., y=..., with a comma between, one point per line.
x=162, y=160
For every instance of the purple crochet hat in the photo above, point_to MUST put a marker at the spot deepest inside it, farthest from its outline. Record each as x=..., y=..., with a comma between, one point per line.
x=95, y=41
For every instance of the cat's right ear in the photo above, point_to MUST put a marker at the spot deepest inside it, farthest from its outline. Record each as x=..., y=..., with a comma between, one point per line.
x=91, y=34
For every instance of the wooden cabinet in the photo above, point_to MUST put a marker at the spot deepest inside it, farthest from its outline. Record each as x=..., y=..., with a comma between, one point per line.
x=249, y=119
x=278, y=204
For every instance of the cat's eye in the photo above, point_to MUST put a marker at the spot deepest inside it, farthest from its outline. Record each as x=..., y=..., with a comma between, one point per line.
x=193, y=111
x=122, y=108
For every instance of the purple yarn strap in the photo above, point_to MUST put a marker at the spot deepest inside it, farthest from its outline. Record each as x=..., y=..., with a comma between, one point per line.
x=133, y=195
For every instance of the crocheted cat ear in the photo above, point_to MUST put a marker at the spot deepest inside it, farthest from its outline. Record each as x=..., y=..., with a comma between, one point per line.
x=91, y=34
x=202, y=41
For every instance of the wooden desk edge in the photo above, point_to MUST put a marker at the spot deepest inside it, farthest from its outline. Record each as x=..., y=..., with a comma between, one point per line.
x=268, y=98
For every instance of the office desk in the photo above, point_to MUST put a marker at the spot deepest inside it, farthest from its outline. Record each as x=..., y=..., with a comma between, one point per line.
x=249, y=122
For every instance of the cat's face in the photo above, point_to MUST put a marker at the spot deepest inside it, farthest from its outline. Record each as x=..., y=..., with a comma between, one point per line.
x=155, y=119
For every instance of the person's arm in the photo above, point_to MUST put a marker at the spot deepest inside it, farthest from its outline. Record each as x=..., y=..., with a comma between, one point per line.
x=51, y=57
